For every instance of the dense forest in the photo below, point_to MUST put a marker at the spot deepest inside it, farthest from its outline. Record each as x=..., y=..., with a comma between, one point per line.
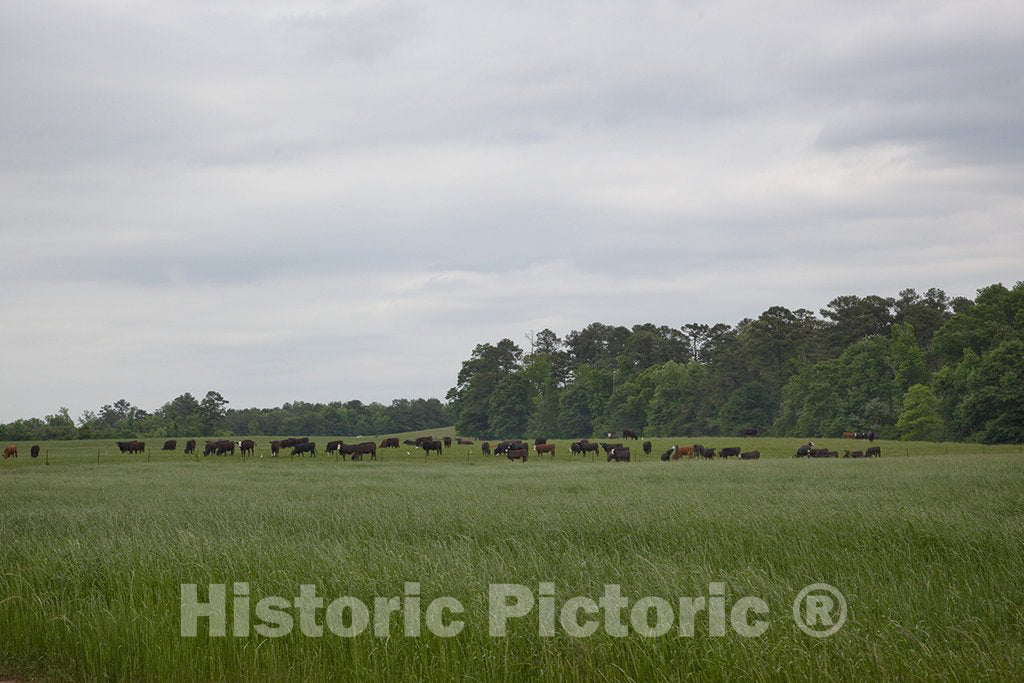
x=210, y=416
x=925, y=367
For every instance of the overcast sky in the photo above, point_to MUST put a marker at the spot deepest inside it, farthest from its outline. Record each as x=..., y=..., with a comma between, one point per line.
x=336, y=200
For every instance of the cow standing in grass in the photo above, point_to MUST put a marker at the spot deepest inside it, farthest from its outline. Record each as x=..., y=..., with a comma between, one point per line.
x=545, y=448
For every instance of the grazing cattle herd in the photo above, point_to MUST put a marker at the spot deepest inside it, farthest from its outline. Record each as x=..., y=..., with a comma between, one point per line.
x=513, y=449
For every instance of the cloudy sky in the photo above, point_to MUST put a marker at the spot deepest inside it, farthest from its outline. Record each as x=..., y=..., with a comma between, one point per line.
x=335, y=200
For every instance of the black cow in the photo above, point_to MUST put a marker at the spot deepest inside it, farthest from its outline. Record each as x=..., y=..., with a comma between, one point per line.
x=873, y=452
x=367, y=447
x=429, y=446
x=190, y=446
x=730, y=452
x=421, y=439
x=510, y=444
x=34, y=451
x=348, y=449
x=170, y=445
x=410, y=442
x=619, y=454
x=709, y=453
x=667, y=455
x=609, y=447
x=584, y=446
x=518, y=453
x=332, y=447
x=247, y=446
x=485, y=448
x=463, y=442
x=647, y=447
x=750, y=455
x=304, y=447
x=698, y=449
x=750, y=431
x=539, y=442
x=629, y=434
x=275, y=448
x=225, y=447
x=447, y=442
x=804, y=450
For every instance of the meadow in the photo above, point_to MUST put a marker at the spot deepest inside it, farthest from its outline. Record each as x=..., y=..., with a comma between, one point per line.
x=925, y=543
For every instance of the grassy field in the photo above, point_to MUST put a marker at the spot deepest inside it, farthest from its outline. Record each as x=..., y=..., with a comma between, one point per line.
x=926, y=544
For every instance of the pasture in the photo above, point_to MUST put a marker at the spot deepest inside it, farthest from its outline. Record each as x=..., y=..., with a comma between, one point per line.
x=926, y=543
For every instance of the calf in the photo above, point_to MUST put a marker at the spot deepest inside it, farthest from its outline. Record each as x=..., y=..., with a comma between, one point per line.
x=709, y=453
x=670, y=454
x=275, y=448
x=447, y=442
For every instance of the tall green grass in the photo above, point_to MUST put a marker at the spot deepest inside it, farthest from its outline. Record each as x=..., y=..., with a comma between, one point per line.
x=928, y=548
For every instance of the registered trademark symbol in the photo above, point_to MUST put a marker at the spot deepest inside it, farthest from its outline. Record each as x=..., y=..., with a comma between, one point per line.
x=819, y=610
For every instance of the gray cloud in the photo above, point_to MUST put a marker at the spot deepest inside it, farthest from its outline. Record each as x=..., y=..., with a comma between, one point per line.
x=324, y=200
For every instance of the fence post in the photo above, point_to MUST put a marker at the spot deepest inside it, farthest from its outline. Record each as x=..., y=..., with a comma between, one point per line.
x=97, y=456
x=47, y=457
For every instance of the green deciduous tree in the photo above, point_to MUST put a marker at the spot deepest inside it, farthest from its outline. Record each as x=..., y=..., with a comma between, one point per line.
x=920, y=419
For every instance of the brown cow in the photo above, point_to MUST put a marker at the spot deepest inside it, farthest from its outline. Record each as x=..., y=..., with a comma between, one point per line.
x=849, y=435
x=247, y=446
x=10, y=452
x=545, y=448
x=688, y=451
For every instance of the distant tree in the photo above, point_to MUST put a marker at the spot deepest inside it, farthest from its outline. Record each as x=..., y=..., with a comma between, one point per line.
x=212, y=409
x=920, y=419
x=751, y=405
x=996, y=394
x=510, y=407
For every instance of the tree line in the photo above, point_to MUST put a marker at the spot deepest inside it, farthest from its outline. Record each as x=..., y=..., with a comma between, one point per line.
x=917, y=367
x=188, y=416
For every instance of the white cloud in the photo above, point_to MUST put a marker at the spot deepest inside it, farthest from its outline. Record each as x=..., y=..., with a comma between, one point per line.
x=323, y=200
